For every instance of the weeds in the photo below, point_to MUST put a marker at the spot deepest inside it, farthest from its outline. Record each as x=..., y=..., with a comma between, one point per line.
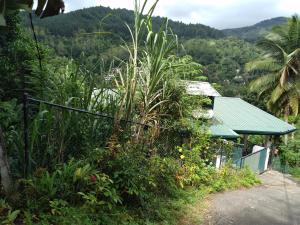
x=89, y=170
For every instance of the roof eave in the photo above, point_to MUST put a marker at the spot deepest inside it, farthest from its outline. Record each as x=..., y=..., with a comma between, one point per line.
x=264, y=132
x=225, y=136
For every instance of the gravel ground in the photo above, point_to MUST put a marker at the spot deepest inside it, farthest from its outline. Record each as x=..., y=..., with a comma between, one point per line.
x=275, y=202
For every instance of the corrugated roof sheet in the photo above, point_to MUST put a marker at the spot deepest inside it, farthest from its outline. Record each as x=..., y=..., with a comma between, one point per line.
x=222, y=131
x=200, y=88
x=245, y=118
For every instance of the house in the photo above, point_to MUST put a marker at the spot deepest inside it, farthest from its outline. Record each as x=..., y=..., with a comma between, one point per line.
x=233, y=118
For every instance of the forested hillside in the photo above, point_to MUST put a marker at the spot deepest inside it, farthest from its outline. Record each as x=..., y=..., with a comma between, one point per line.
x=112, y=20
x=223, y=61
x=96, y=34
x=98, y=29
x=256, y=31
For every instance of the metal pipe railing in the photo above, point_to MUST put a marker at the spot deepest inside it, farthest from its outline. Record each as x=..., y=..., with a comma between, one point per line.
x=27, y=99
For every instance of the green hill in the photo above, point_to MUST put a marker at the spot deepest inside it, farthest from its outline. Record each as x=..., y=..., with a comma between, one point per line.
x=70, y=34
x=112, y=20
x=254, y=32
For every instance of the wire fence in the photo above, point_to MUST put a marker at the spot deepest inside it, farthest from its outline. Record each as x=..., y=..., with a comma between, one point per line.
x=278, y=165
x=53, y=132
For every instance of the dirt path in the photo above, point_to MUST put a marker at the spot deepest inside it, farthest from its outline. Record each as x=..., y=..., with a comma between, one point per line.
x=276, y=202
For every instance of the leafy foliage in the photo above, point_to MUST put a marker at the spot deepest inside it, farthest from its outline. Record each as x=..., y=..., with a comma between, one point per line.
x=124, y=169
x=279, y=69
x=290, y=153
x=223, y=62
x=99, y=31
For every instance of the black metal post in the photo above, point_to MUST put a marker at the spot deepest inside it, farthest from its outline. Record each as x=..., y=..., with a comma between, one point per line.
x=26, y=134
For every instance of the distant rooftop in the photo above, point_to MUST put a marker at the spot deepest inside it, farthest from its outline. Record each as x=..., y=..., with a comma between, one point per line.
x=200, y=88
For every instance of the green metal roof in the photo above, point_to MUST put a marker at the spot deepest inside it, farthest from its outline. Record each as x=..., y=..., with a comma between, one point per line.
x=222, y=131
x=245, y=118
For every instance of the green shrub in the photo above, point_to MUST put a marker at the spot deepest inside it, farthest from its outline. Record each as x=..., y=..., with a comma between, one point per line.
x=72, y=183
x=135, y=188
x=7, y=214
x=196, y=167
x=230, y=178
x=295, y=171
x=290, y=153
x=139, y=176
x=163, y=172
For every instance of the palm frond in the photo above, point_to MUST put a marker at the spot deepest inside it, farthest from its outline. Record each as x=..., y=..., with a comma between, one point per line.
x=274, y=49
x=294, y=103
x=284, y=76
x=267, y=64
x=276, y=93
x=264, y=83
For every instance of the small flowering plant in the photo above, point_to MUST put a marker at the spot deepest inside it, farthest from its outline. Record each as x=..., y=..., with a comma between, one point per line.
x=180, y=150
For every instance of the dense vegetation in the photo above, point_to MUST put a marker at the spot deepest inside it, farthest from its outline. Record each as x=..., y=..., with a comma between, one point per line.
x=76, y=32
x=278, y=69
x=278, y=83
x=99, y=31
x=141, y=155
x=132, y=166
x=223, y=61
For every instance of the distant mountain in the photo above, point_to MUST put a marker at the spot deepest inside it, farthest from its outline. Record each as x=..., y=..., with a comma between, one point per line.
x=254, y=32
x=112, y=20
x=99, y=31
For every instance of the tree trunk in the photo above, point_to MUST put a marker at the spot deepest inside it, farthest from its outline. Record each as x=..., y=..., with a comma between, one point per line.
x=4, y=167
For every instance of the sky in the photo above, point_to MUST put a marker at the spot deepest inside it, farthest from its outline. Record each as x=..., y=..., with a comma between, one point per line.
x=215, y=13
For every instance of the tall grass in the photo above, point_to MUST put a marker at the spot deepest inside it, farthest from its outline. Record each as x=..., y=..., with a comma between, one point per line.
x=56, y=135
x=144, y=80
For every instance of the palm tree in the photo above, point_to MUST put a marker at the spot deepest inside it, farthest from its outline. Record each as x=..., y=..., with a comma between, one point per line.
x=280, y=68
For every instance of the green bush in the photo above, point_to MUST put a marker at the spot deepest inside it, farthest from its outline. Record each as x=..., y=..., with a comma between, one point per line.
x=290, y=153
x=295, y=171
x=74, y=183
x=103, y=183
x=131, y=185
x=230, y=178
x=196, y=162
x=139, y=177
